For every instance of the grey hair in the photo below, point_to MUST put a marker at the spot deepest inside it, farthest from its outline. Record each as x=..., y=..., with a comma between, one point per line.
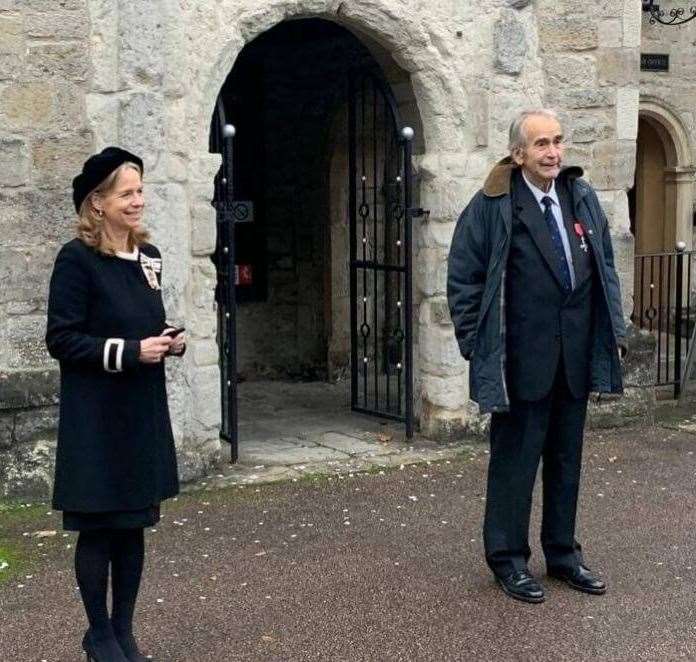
x=518, y=138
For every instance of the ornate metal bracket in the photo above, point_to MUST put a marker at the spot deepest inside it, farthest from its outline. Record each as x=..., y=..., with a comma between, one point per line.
x=676, y=16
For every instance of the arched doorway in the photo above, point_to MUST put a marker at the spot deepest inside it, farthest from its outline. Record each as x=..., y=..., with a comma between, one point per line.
x=661, y=212
x=297, y=319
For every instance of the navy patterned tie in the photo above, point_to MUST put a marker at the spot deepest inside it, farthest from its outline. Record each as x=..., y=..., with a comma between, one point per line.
x=557, y=242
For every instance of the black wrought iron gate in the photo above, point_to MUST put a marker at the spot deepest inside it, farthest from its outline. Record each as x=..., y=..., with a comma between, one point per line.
x=381, y=306
x=222, y=140
x=662, y=301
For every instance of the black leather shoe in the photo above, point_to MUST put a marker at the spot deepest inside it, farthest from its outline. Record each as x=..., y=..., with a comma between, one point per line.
x=521, y=586
x=580, y=578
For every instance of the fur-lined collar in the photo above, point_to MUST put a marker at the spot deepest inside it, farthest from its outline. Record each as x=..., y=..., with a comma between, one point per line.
x=498, y=181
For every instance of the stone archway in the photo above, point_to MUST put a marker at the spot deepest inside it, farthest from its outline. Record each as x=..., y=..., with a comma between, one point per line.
x=398, y=43
x=288, y=97
x=663, y=194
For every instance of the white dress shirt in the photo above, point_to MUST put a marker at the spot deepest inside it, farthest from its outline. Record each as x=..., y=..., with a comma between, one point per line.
x=558, y=215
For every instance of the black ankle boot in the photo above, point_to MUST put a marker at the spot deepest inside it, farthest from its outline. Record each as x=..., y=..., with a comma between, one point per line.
x=102, y=649
x=130, y=648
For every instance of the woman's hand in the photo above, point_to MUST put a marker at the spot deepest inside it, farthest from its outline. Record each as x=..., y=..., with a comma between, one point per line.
x=178, y=342
x=154, y=348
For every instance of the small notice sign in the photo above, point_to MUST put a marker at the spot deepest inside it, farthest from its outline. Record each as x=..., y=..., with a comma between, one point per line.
x=654, y=62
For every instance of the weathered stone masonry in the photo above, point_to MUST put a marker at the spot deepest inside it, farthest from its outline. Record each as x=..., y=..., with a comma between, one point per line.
x=76, y=75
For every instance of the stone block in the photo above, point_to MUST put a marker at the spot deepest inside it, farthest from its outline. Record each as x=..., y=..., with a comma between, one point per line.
x=203, y=227
x=619, y=66
x=254, y=21
x=450, y=393
x=589, y=128
x=632, y=23
x=586, y=97
x=57, y=158
x=439, y=352
x=509, y=43
x=33, y=424
x=23, y=336
x=142, y=130
x=627, y=102
x=440, y=424
x=57, y=24
x=104, y=44
x=27, y=105
x=435, y=234
x=431, y=271
x=10, y=64
x=205, y=352
x=11, y=35
x=29, y=388
x=50, y=5
x=27, y=470
x=167, y=218
x=610, y=33
x=141, y=37
x=25, y=273
x=205, y=415
x=570, y=72
x=68, y=60
x=566, y=33
x=102, y=110
x=481, y=112
x=35, y=216
x=439, y=311
x=6, y=430
x=14, y=162
x=613, y=164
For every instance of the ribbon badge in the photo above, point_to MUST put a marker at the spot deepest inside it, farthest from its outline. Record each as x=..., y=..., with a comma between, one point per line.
x=151, y=266
x=580, y=232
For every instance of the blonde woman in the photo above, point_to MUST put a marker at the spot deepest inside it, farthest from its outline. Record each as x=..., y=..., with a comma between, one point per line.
x=115, y=459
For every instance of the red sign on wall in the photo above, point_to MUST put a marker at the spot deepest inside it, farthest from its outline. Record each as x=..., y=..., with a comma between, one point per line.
x=243, y=274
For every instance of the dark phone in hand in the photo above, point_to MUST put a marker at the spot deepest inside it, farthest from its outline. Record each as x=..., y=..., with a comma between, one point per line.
x=173, y=333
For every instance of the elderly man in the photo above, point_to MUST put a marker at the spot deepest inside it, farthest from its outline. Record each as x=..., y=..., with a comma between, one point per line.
x=536, y=307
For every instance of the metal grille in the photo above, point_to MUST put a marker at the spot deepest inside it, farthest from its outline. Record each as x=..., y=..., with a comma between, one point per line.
x=380, y=253
x=662, y=305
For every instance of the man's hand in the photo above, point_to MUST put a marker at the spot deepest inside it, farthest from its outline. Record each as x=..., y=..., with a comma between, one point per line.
x=622, y=350
x=154, y=348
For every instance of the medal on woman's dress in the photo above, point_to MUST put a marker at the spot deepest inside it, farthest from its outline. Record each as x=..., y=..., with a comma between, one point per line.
x=151, y=266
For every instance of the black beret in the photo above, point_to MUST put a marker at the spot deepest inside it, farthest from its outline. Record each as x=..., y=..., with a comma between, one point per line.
x=97, y=168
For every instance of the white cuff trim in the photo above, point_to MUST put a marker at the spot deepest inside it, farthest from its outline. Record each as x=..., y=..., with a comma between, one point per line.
x=115, y=365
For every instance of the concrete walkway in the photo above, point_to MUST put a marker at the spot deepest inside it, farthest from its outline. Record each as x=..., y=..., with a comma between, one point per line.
x=291, y=430
x=387, y=565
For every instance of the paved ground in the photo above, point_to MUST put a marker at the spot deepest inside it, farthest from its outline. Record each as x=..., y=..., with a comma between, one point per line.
x=290, y=430
x=388, y=566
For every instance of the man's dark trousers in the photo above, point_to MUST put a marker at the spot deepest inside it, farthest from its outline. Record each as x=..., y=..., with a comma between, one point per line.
x=550, y=429
x=548, y=352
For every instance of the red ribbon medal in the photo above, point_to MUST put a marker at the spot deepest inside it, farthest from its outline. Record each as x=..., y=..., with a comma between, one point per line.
x=580, y=232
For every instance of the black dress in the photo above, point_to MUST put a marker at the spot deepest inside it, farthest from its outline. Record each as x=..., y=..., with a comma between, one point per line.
x=115, y=459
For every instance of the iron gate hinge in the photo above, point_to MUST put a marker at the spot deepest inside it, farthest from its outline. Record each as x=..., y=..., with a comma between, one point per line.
x=418, y=212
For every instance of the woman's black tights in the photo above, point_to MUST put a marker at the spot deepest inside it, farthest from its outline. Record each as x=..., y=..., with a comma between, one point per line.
x=124, y=550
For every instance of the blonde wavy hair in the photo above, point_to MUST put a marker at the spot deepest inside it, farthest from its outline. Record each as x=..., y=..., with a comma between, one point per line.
x=90, y=225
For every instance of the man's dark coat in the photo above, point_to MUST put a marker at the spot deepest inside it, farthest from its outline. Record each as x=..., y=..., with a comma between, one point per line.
x=477, y=284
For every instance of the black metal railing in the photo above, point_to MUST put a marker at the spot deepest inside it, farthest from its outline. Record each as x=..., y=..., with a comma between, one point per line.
x=662, y=305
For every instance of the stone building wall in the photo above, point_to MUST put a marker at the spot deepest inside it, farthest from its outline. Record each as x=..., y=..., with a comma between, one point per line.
x=45, y=135
x=76, y=75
